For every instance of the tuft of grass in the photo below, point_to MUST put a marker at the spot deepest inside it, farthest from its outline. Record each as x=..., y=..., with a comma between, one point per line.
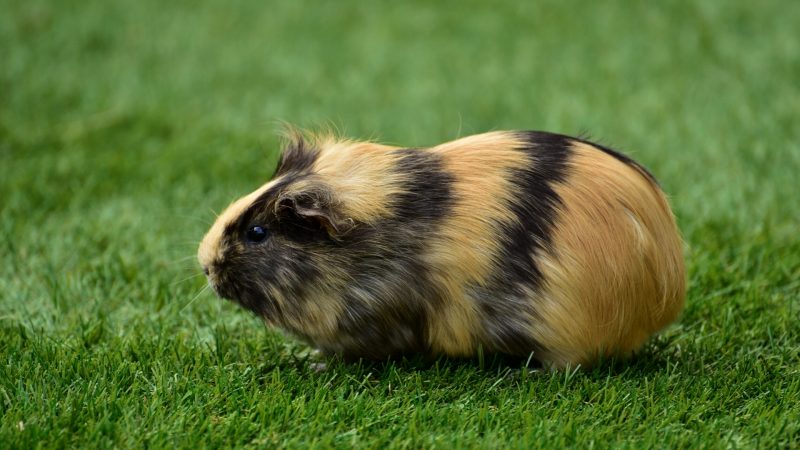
x=124, y=125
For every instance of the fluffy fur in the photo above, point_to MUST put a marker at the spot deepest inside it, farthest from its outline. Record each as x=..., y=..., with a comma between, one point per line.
x=509, y=242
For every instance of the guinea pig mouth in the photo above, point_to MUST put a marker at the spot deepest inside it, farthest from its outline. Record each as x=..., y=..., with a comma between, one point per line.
x=235, y=293
x=218, y=281
x=240, y=292
x=222, y=290
x=215, y=288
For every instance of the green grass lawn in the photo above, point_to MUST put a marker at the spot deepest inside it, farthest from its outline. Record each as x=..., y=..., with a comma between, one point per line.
x=124, y=125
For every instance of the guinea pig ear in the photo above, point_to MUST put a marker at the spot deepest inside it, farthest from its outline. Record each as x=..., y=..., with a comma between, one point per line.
x=315, y=208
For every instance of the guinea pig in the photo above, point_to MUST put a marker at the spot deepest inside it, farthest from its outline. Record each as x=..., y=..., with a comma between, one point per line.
x=511, y=242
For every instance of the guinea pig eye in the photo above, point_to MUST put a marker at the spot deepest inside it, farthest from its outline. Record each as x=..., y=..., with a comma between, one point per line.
x=256, y=234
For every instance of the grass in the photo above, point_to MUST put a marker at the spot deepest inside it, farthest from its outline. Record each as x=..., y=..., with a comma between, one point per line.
x=124, y=124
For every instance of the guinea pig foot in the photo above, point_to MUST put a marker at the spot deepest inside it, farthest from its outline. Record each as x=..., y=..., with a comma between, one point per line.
x=318, y=367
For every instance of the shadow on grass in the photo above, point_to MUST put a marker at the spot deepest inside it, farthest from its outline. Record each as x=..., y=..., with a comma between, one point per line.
x=656, y=357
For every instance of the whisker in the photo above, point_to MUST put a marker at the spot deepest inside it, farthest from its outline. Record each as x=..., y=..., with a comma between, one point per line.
x=190, y=277
x=183, y=259
x=195, y=298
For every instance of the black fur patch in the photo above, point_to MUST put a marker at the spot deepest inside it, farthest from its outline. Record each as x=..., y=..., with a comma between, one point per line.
x=416, y=212
x=248, y=271
x=386, y=267
x=428, y=192
x=504, y=302
x=298, y=156
x=386, y=301
x=623, y=158
x=505, y=322
x=536, y=206
x=372, y=332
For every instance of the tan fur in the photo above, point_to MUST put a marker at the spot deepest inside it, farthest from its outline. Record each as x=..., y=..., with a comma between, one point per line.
x=357, y=172
x=615, y=274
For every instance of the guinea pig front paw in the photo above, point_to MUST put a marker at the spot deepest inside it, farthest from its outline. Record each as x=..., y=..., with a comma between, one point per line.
x=318, y=367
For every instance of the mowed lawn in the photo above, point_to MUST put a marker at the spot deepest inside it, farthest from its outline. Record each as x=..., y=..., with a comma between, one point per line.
x=125, y=124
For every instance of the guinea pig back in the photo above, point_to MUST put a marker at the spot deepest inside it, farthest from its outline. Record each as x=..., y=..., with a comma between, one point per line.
x=509, y=242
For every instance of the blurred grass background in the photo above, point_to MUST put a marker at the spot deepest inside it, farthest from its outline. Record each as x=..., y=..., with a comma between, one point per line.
x=123, y=125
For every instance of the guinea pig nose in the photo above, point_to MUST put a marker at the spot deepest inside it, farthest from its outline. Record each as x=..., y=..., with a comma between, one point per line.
x=205, y=270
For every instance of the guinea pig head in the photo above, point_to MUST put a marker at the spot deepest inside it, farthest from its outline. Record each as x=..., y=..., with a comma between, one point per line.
x=328, y=250
x=265, y=249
